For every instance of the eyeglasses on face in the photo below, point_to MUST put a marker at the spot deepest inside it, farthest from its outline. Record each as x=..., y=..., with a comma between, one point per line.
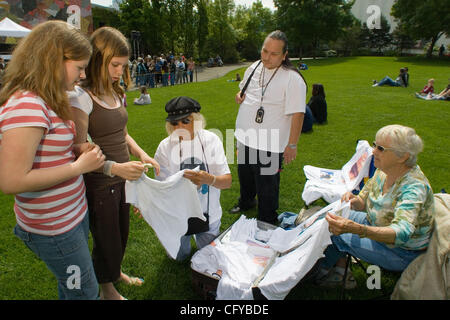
x=183, y=121
x=380, y=148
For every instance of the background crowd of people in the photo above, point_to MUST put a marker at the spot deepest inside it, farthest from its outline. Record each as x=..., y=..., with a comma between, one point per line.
x=162, y=70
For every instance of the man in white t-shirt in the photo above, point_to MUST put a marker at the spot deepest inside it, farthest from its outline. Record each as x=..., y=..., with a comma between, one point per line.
x=268, y=126
x=189, y=146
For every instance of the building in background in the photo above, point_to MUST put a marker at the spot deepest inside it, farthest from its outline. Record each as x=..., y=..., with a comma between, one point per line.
x=29, y=13
x=365, y=12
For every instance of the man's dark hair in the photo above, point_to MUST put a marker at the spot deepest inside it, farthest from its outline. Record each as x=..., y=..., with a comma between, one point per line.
x=287, y=64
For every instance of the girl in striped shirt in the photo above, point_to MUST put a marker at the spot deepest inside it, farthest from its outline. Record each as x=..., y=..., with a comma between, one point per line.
x=39, y=163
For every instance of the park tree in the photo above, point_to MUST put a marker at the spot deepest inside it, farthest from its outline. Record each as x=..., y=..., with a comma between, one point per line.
x=349, y=41
x=377, y=38
x=134, y=17
x=308, y=23
x=222, y=37
x=423, y=19
x=401, y=39
x=252, y=25
x=202, y=28
x=105, y=17
x=188, y=27
x=171, y=14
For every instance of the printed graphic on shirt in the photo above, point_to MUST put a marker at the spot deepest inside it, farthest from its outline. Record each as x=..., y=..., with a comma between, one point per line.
x=196, y=225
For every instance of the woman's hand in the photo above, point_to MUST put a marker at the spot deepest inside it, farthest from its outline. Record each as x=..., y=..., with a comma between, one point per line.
x=79, y=148
x=199, y=177
x=356, y=203
x=337, y=224
x=147, y=159
x=91, y=159
x=131, y=170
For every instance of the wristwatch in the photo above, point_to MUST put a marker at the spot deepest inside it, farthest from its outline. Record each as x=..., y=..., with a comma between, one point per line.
x=292, y=146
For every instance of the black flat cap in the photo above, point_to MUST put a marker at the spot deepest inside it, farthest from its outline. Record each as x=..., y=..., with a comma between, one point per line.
x=180, y=107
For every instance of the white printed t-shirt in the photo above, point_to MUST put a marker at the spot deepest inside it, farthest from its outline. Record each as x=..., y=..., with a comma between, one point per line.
x=285, y=95
x=211, y=156
x=166, y=206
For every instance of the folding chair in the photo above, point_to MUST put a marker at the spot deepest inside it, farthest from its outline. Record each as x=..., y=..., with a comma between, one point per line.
x=385, y=293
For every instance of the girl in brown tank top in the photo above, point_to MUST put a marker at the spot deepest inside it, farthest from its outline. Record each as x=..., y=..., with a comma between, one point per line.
x=106, y=124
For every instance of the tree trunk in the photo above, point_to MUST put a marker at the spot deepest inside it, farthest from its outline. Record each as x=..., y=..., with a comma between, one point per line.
x=433, y=42
x=300, y=54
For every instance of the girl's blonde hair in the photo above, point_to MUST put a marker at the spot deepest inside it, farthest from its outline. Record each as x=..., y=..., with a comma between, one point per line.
x=37, y=64
x=107, y=43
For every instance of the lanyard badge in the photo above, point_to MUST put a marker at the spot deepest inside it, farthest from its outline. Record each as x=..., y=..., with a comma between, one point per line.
x=260, y=113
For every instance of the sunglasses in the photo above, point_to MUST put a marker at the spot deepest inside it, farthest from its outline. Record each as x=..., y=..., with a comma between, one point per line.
x=380, y=148
x=183, y=121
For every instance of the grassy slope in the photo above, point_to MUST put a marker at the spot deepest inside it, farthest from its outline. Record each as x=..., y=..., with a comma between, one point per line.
x=355, y=111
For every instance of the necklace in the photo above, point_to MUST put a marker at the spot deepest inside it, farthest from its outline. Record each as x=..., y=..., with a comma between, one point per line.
x=260, y=113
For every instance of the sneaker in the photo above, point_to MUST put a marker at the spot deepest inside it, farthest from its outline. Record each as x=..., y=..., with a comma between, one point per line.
x=374, y=82
x=334, y=280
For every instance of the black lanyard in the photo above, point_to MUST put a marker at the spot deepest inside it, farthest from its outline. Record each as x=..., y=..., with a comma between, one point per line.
x=260, y=113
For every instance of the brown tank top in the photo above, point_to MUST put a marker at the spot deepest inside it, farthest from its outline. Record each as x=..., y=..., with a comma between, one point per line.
x=107, y=130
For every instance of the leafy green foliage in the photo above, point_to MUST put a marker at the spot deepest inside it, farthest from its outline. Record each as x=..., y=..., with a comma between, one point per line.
x=423, y=19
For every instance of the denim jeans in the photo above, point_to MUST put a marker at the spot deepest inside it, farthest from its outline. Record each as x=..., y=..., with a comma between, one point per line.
x=201, y=240
x=65, y=255
x=388, y=81
x=371, y=251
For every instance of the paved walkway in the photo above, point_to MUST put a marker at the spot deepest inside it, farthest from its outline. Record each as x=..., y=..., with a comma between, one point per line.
x=205, y=73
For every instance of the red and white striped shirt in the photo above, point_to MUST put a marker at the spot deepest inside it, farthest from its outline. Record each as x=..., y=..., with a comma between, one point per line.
x=59, y=208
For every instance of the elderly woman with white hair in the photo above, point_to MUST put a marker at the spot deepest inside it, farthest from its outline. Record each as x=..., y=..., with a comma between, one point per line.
x=190, y=146
x=391, y=219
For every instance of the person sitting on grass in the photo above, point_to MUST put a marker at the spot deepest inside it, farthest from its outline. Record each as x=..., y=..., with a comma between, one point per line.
x=443, y=95
x=428, y=89
x=400, y=81
x=391, y=219
x=318, y=104
x=238, y=78
x=144, y=98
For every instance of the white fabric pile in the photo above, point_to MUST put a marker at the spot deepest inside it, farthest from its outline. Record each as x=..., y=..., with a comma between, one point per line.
x=243, y=261
x=331, y=184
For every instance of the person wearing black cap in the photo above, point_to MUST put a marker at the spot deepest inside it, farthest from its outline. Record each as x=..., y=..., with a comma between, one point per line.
x=187, y=147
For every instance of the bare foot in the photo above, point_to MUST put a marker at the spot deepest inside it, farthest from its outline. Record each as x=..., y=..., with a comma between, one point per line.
x=131, y=281
x=109, y=292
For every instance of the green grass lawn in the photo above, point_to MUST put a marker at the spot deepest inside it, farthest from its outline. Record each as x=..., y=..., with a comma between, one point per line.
x=356, y=110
